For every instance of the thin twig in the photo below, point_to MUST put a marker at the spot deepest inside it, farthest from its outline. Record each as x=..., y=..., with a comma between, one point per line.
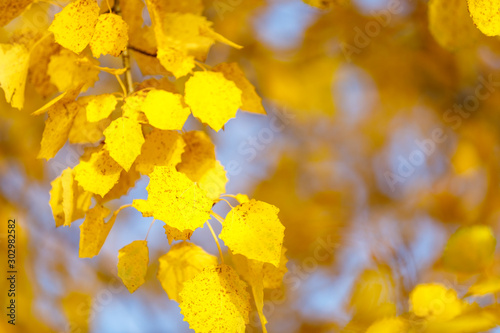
x=216, y=241
x=136, y=49
x=152, y=222
x=125, y=57
x=217, y=217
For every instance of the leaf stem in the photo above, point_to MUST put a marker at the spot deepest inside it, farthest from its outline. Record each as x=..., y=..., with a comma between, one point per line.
x=216, y=241
x=149, y=229
x=125, y=92
x=227, y=202
x=122, y=207
x=217, y=217
x=203, y=66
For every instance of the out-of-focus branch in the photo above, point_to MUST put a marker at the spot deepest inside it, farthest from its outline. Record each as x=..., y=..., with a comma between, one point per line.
x=125, y=56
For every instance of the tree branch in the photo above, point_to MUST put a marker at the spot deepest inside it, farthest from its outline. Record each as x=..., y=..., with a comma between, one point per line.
x=125, y=56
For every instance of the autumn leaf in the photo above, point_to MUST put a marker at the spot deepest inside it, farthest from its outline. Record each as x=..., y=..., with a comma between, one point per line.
x=68, y=71
x=73, y=306
x=165, y=110
x=99, y=174
x=100, y=107
x=67, y=200
x=75, y=201
x=213, y=99
x=252, y=272
x=180, y=264
x=83, y=131
x=469, y=249
x=176, y=200
x=10, y=9
x=74, y=26
x=94, y=231
x=161, y=148
x=215, y=300
x=435, y=302
x=199, y=164
x=450, y=24
x=174, y=234
x=250, y=100
x=485, y=15
x=124, y=140
x=133, y=262
x=389, y=325
x=254, y=230
x=110, y=36
x=485, y=286
x=57, y=128
x=14, y=61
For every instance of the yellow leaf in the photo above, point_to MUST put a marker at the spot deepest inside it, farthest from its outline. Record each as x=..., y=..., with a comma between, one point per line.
x=200, y=165
x=321, y=4
x=125, y=183
x=124, y=140
x=131, y=11
x=76, y=307
x=178, y=37
x=485, y=286
x=110, y=36
x=51, y=104
x=212, y=98
x=94, y=231
x=273, y=276
x=83, y=131
x=485, y=15
x=165, y=110
x=450, y=24
x=14, y=61
x=132, y=107
x=175, y=61
x=100, y=107
x=174, y=234
x=478, y=320
x=254, y=230
x=206, y=30
x=182, y=263
x=56, y=201
x=435, y=302
x=10, y=9
x=242, y=198
x=161, y=148
x=57, y=127
x=198, y=155
x=190, y=6
x=252, y=272
x=176, y=200
x=59, y=101
x=214, y=181
x=215, y=300
x=45, y=48
x=143, y=206
x=68, y=71
x=250, y=101
x=466, y=158
x=75, y=201
x=469, y=249
x=389, y=325
x=373, y=295
x=99, y=174
x=133, y=262
x=74, y=25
